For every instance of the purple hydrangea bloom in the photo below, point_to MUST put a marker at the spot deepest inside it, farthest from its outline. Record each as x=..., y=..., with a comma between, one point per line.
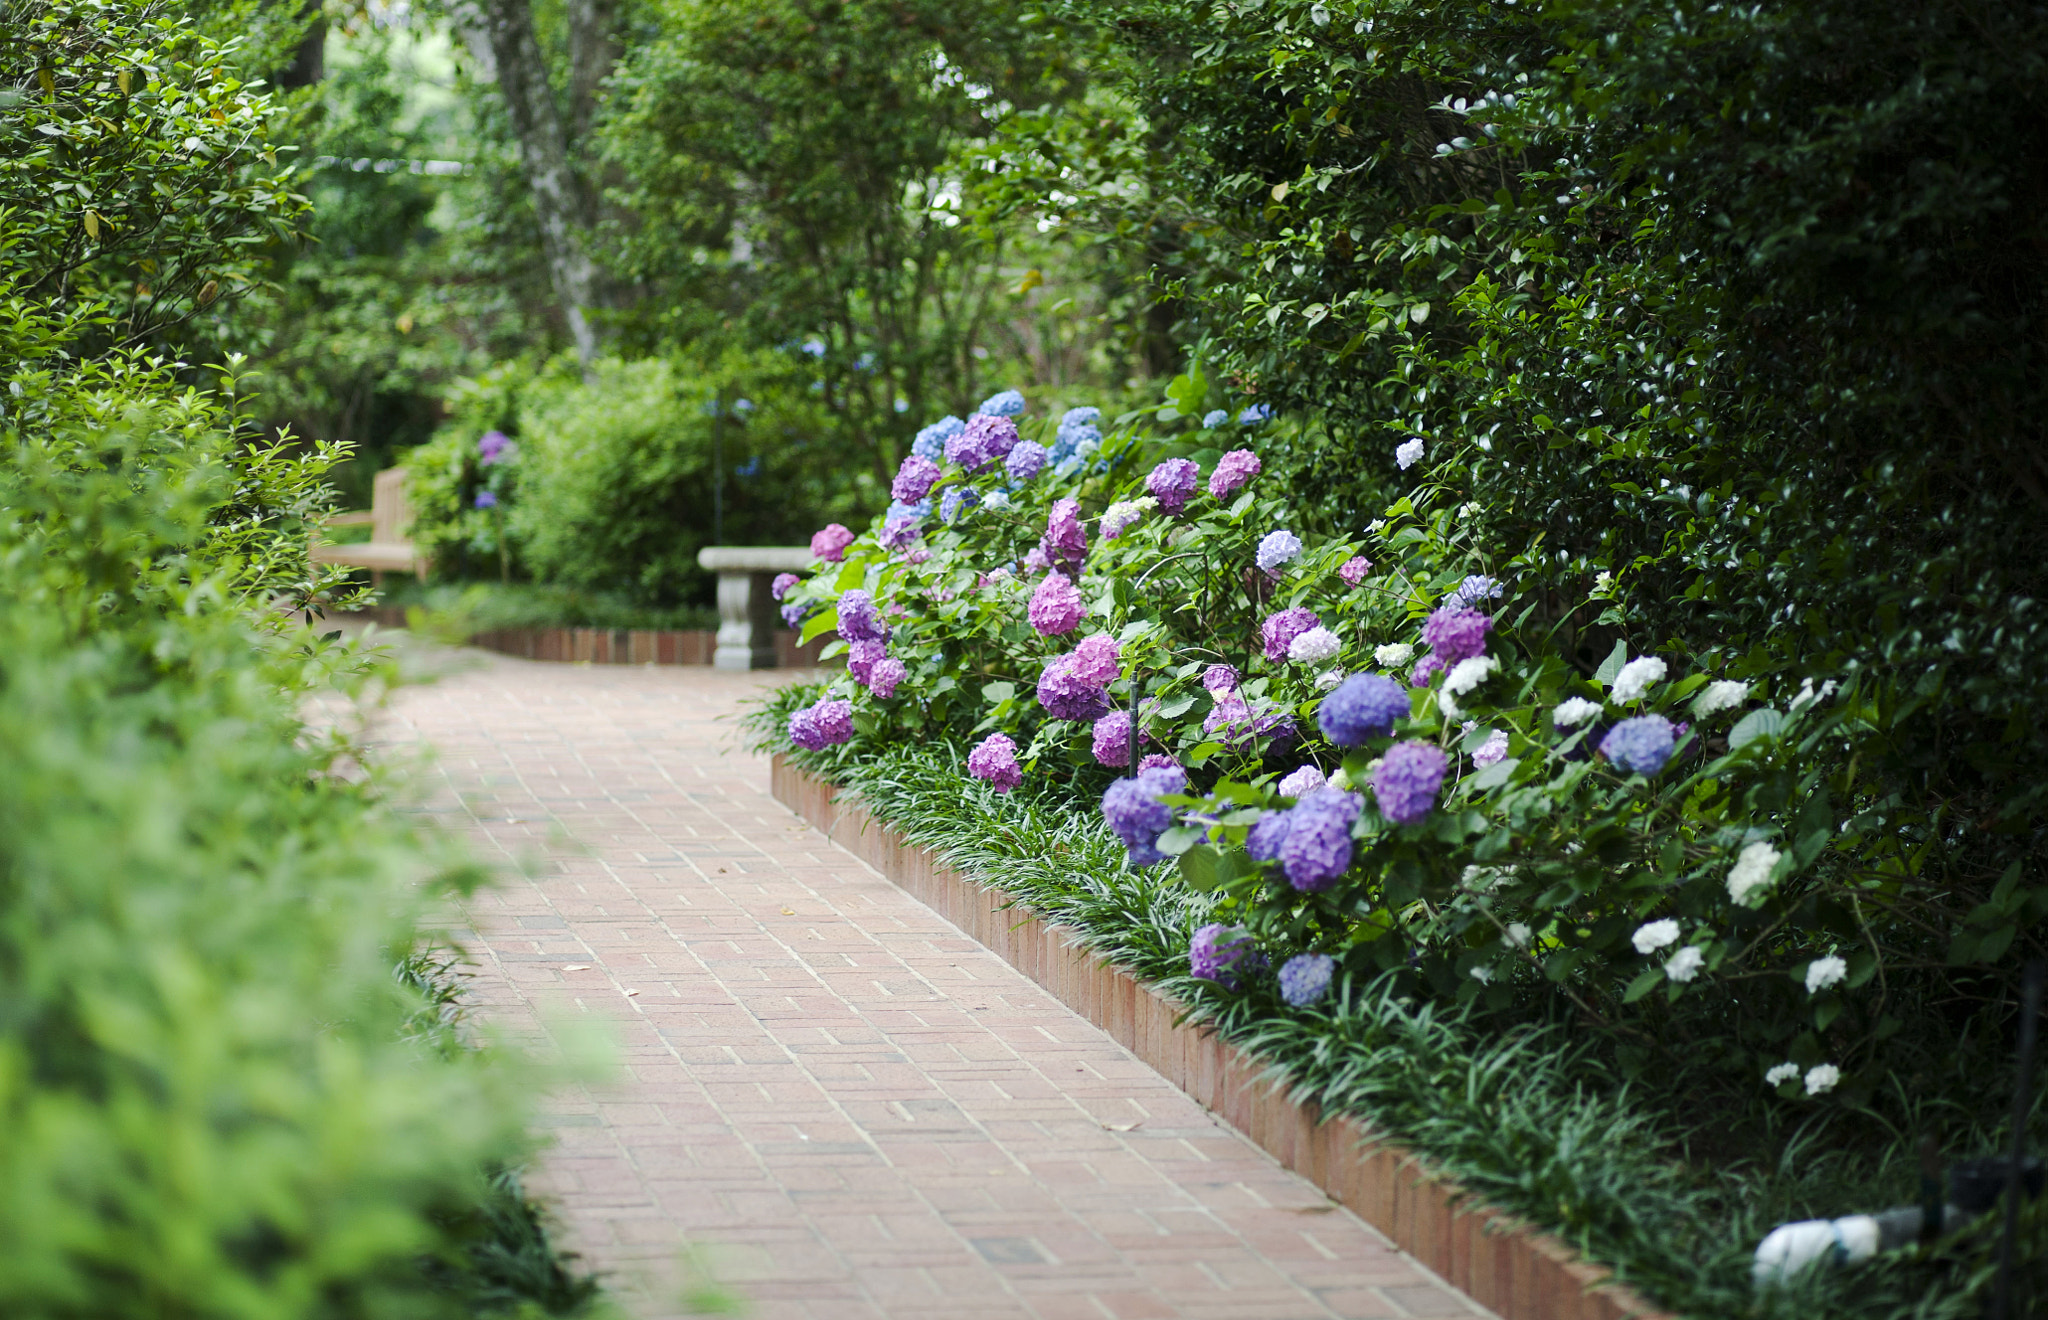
x=1098, y=659
x=1406, y=782
x=1112, y=741
x=931, y=441
x=1137, y=816
x=830, y=541
x=956, y=501
x=1065, y=541
x=858, y=621
x=1006, y=404
x=1216, y=953
x=1159, y=761
x=1473, y=590
x=861, y=658
x=1220, y=679
x=1025, y=461
x=1056, y=607
x=782, y=583
x=993, y=436
x=1232, y=471
x=1268, y=832
x=1305, y=978
x=491, y=446
x=1280, y=629
x=1318, y=845
x=1639, y=746
x=1276, y=551
x=914, y=479
x=965, y=451
x=1067, y=696
x=1172, y=482
x=995, y=759
x=1301, y=781
x=1456, y=634
x=822, y=725
x=898, y=532
x=1362, y=706
x=486, y=500
x=1493, y=751
x=1035, y=562
x=887, y=673
x=1237, y=725
x=794, y=613
x=1426, y=668
x=1354, y=569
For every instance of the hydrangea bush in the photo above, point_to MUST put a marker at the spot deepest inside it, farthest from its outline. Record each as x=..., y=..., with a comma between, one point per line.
x=1353, y=743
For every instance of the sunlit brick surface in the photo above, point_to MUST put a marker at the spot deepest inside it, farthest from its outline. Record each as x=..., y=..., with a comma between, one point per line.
x=850, y=1108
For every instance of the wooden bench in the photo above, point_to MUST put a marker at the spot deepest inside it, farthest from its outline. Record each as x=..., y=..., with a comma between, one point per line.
x=389, y=518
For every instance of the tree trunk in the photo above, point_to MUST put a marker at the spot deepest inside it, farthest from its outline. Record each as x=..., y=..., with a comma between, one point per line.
x=593, y=50
x=505, y=27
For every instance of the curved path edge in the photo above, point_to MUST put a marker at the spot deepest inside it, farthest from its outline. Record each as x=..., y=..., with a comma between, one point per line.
x=1497, y=1260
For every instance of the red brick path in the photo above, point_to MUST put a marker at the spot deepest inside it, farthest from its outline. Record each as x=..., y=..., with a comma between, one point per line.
x=852, y=1109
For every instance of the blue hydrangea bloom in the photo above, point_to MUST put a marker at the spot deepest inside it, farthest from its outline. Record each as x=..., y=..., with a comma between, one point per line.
x=1081, y=417
x=1136, y=815
x=898, y=511
x=1216, y=418
x=1305, y=978
x=1262, y=844
x=1007, y=404
x=1639, y=746
x=1025, y=460
x=1362, y=706
x=931, y=441
x=955, y=501
x=1255, y=414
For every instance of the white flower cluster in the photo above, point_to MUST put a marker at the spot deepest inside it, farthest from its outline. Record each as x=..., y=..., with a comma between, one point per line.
x=1751, y=872
x=1302, y=782
x=1409, y=454
x=1469, y=674
x=1637, y=677
x=1685, y=964
x=1820, y=1079
x=1394, y=654
x=1118, y=517
x=1314, y=646
x=1824, y=972
x=1574, y=710
x=1724, y=694
x=1654, y=935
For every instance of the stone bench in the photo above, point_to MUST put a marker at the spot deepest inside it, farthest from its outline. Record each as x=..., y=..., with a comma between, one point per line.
x=747, y=616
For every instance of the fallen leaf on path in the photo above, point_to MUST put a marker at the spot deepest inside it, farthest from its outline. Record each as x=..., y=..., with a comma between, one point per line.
x=1124, y=1127
x=631, y=993
x=577, y=967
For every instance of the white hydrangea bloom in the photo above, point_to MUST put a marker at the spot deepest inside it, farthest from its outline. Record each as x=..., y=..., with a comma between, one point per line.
x=1394, y=654
x=1751, y=872
x=1636, y=678
x=996, y=500
x=1329, y=679
x=1824, y=972
x=1340, y=780
x=1469, y=509
x=1685, y=964
x=1781, y=1074
x=1117, y=518
x=1822, y=1078
x=1518, y=935
x=1807, y=695
x=1574, y=710
x=1603, y=582
x=1409, y=454
x=1723, y=694
x=1302, y=782
x=1314, y=646
x=1654, y=935
x=1482, y=974
x=1469, y=674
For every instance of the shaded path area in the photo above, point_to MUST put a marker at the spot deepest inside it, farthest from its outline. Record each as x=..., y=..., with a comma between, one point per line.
x=851, y=1108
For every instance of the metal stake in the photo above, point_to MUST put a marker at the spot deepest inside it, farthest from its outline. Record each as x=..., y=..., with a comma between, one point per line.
x=2030, y=1013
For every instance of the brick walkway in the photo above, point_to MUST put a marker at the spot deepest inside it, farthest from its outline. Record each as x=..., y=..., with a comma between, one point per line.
x=853, y=1110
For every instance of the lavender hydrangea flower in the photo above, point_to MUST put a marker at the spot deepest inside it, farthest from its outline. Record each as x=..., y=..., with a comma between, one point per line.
x=1035, y=562
x=1639, y=746
x=491, y=447
x=1493, y=751
x=1317, y=849
x=1098, y=659
x=794, y=613
x=1067, y=696
x=861, y=658
x=1220, y=679
x=1118, y=517
x=1426, y=668
x=899, y=511
x=1364, y=706
x=1280, y=629
x=486, y=500
x=782, y=583
x=914, y=479
x=1217, y=952
x=1172, y=482
x=994, y=759
x=1111, y=742
x=1159, y=761
x=931, y=441
x=887, y=673
x=1354, y=569
x=1407, y=780
x=1268, y=832
x=1456, y=634
x=956, y=502
x=1215, y=417
x=1006, y=404
x=822, y=725
x=830, y=541
x=964, y=450
x=1137, y=816
x=1233, y=470
x=1056, y=607
x=1276, y=551
x=1305, y=978
x=858, y=621
x=1065, y=542
x=1235, y=723
x=1473, y=590
x=1026, y=460
x=1314, y=647
x=1302, y=782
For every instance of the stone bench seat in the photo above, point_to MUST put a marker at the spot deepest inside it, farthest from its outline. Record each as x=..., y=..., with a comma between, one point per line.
x=747, y=616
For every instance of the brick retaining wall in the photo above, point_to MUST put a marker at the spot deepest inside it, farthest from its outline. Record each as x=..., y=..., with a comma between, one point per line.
x=1507, y=1266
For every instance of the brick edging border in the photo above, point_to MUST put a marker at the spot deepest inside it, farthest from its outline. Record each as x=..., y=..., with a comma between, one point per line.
x=614, y=646
x=1503, y=1264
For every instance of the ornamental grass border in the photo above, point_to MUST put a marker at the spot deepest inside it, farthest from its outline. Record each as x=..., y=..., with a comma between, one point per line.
x=1496, y=1259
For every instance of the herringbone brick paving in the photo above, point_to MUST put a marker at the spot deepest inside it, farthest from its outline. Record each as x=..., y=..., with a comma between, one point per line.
x=850, y=1109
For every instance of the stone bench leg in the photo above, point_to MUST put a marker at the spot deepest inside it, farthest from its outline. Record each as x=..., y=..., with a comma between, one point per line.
x=747, y=621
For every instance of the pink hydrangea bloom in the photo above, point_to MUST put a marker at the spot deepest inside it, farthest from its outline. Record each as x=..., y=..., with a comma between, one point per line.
x=1098, y=659
x=1232, y=471
x=1067, y=696
x=782, y=583
x=1172, y=482
x=994, y=759
x=887, y=673
x=829, y=542
x=1065, y=542
x=1354, y=569
x=1035, y=561
x=1056, y=606
x=1280, y=629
